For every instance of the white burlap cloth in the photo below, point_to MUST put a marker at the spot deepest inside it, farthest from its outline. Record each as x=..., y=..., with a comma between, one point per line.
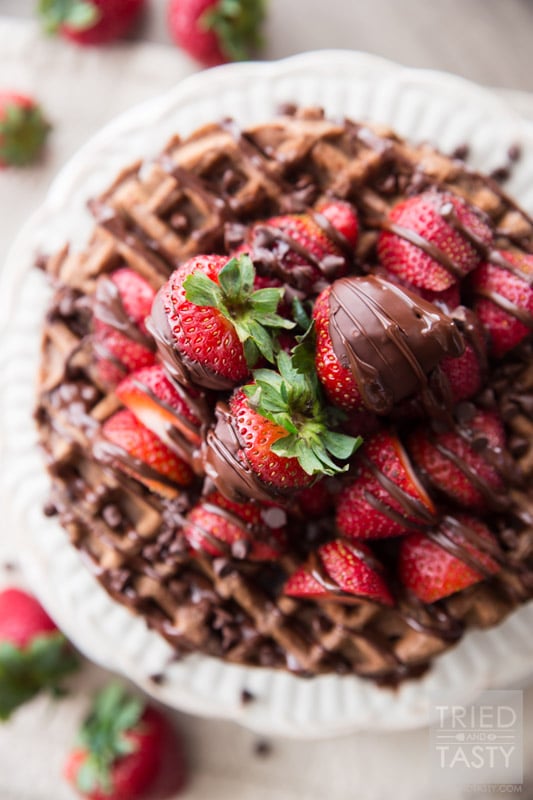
x=81, y=90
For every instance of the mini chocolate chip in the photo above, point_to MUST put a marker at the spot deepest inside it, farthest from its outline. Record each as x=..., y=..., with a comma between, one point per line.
x=247, y=697
x=10, y=566
x=500, y=174
x=49, y=509
x=461, y=152
x=240, y=548
x=179, y=222
x=262, y=748
x=112, y=515
x=287, y=109
x=514, y=153
x=158, y=678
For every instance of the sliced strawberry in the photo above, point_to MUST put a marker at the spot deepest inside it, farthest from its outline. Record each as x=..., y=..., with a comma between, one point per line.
x=458, y=463
x=343, y=217
x=148, y=457
x=339, y=569
x=157, y=403
x=459, y=557
x=465, y=374
x=425, y=241
x=386, y=499
x=220, y=527
x=504, y=300
x=122, y=302
x=338, y=380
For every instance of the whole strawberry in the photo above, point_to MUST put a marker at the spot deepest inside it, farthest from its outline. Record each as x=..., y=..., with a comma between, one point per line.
x=504, y=299
x=89, y=22
x=277, y=436
x=126, y=750
x=23, y=129
x=34, y=654
x=340, y=571
x=212, y=324
x=428, y=240
x=216, y=31
x=219, y=527
x=121, y=304
x=305, y=250
x=131, y=447
x=457, y=555
x=386, y=499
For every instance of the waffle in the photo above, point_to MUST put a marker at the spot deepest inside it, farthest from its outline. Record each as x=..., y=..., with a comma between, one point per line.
x=198, y=196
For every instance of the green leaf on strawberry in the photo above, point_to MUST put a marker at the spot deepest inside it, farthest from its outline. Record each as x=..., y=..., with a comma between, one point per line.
x=291, y=398
x=251, y=312
x=24, y=672
x=77, y=14
x=236, y=24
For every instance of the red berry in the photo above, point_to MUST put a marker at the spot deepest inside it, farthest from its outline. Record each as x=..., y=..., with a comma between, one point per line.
x=23, y=129
x=341, y=569
x=90, y=23
x=457, y=462
x=504, y=300
x=216, y=31
x=432, y=571
x=137, y=441
x=343, y=217
x=424, y=220
x=22, y=618
x=386, y=499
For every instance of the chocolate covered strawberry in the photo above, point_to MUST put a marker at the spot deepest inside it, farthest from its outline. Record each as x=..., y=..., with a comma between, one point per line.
x=340, y=571
x=34, y=654
x=139, y=452
x=127, y=751
x=458, y=554
x=386, y=498
x=122, y=302
x=504, y=299
x=156, y=402
x=89, y=22
x=462, y=463
x=305, y=250
x=23, y=129
x=219, y=527
x=216, y=31
x=211, y=323
x=432, y=240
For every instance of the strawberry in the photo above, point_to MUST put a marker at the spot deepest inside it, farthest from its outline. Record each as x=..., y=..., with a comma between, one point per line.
x=465, y=374
x=126, y=750
x=337, y=570
x=428, y=240
x=89, y=22
x=216, y=31
x=299, y=249
x=504, y=300
x=338, y=380
x=23, y=129
x=219, y=324
x=156, y=402
x=457, y=462
x=34, y=654
x=315, y=501
x=386, y=499
x=139, y=452
x=454, y=557
x=343, y=218
x=448, y=298
x=122, y=303
x=220, y=527
x=283, y=428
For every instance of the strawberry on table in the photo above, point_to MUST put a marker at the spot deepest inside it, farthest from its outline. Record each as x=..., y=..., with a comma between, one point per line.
x=23, y=129
x=458, y=558
x=122, y=302
x=34, y=654
x=458, y=462
x=127, y=751
x=220, y=527
x=218, y=323
x=386, y=499
x=424, y=245
x=338, y=570
x=89, y=22
x=504, y=300
x=139, y=452
x=216, y=31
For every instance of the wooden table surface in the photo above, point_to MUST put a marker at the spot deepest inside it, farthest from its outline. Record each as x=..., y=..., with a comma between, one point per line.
x=488, y=41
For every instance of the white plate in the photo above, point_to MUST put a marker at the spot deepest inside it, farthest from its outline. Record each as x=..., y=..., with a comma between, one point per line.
x=419, y=105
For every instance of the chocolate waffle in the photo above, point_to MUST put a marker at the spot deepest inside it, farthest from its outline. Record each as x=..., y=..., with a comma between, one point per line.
x=197, y=197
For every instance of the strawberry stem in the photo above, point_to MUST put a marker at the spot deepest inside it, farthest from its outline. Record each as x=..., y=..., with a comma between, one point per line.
x=252, y=313
x=237, y=25
x=77, y=14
